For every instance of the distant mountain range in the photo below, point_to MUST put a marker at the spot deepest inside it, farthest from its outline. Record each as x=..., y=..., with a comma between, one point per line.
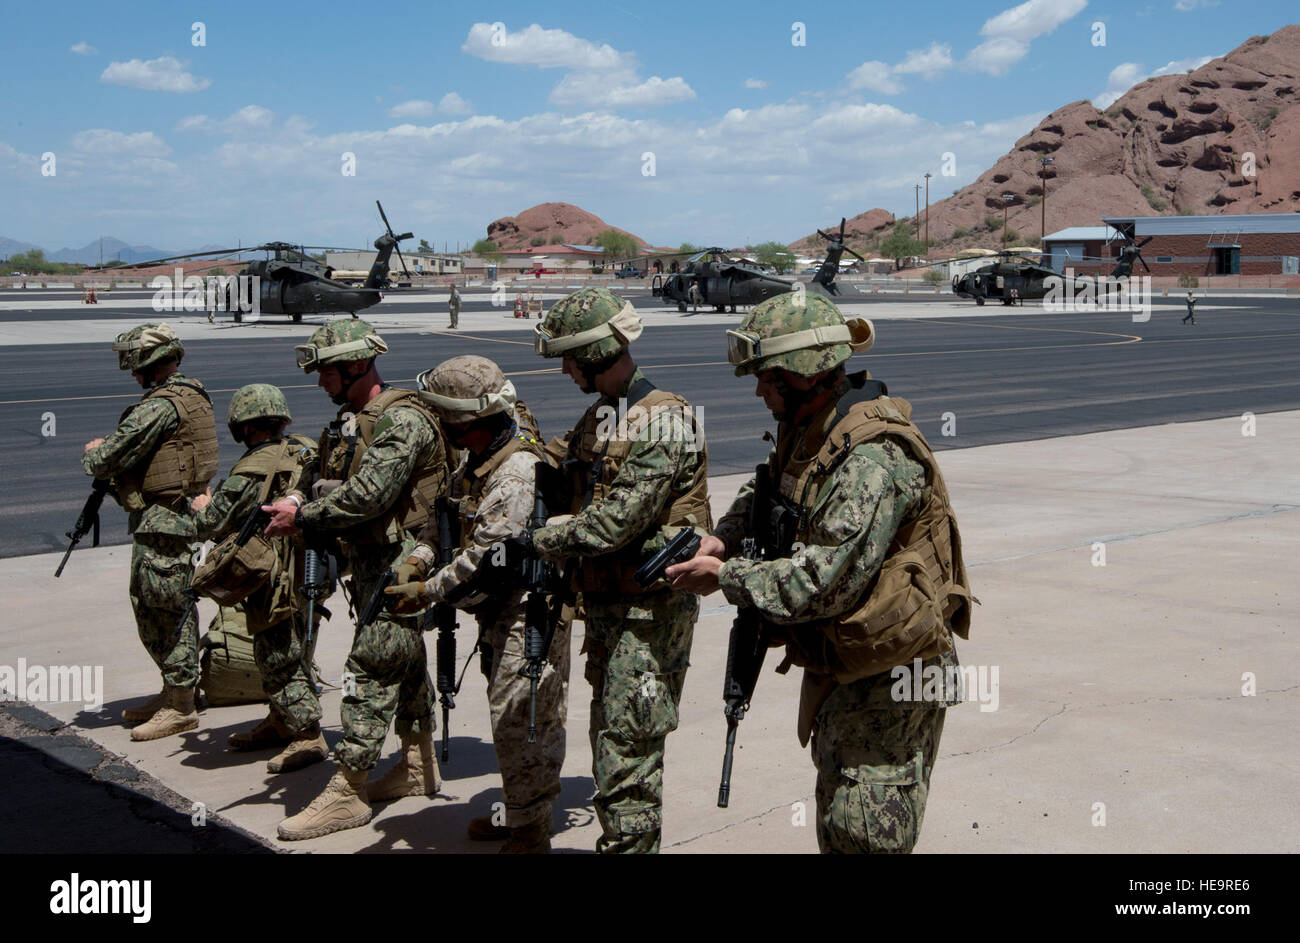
x=93, y=253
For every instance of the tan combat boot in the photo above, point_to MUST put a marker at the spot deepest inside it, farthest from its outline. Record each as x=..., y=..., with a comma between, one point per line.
x=270, y=731
x=177, y=715
x=145, y=710
x=341, y=805
x=484, y=829
x=532, y=839
x=414, y=774
x=307, y=748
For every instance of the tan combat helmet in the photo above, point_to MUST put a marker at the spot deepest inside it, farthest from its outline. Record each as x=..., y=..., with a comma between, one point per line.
x=146, y=345
x=466, y=388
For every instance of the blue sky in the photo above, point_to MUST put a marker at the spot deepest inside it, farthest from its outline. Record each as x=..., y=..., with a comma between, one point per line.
x=455, y=122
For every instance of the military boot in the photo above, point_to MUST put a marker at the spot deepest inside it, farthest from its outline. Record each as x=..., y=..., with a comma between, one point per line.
x=270, y=731
x=305, y=749
x=342, y=804
x=532, y=839
x=145, y=710
x=484, y=829
x=177, y=715
x=414, y=774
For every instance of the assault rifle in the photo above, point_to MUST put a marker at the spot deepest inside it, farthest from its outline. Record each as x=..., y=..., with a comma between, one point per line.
x=540, y=579
x=375, y=604
x=87, y=521
x=444, y=615
x=317, y=584
x=747, y=646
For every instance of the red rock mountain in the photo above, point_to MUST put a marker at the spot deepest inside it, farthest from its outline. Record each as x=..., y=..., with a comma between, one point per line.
x=1171, y=144
x=549, y=223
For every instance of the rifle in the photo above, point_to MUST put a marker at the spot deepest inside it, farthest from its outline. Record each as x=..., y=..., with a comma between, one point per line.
x=375, y=604
x=540, y=578
x=317, y=584
x=87, y=521
x=747, y=646
x=445, y=619
x=679, y=549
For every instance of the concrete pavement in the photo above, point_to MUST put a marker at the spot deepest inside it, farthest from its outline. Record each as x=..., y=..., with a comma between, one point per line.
x=1143, y=705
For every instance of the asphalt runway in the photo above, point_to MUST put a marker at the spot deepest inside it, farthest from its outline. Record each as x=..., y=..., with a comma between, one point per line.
x=972, y=381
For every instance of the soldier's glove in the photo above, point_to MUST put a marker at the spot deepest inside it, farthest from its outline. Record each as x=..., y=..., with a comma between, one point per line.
x=413, y=569
x=408, y=598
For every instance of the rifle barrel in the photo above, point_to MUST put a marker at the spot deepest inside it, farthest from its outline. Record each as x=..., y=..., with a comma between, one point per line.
x=724, y=787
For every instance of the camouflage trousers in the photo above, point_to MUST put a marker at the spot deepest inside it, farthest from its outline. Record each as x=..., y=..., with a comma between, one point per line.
x=873, y=776
x=386, y=676
x=161, y=569
x=278, y=653
x=530, y=772
x=637, y=657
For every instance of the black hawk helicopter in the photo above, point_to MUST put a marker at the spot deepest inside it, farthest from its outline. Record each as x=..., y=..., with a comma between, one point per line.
x=709, y=278
x=1030, y=280
x=291, y=282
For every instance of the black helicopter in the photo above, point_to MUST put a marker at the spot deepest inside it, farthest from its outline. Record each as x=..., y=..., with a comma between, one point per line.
x=709, y=278
x=1010, y=281
x=291, y=282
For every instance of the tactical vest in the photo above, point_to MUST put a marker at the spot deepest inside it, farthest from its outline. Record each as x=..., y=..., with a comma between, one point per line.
x=343, y=445
x=474, y=481
x=599, y=458
x=181, y=466
x=921, y=586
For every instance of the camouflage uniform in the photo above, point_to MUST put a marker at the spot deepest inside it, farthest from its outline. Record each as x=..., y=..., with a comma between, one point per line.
x=637, y=645
x=277, y=648
x=453, y=307
x=873, y=753
x=496, y=503
x=163, y=536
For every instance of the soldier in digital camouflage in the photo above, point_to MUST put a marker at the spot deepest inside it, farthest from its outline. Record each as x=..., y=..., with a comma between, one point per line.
x=871, y=578
x=163, y=453
x=640, y=476
x=493, y=489
x=384, y=464
x=274, y=613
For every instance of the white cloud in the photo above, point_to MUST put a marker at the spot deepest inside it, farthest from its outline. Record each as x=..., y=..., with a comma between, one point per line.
x=164, y=74
x=453, y=104
x=415, y=108
x=83, y=49
x=247, y=119
x=1187, y=6
x=1127, y=74
x=926, y=62
x=621, y=90
x=544, y=48
x=1012, y=30
x=101, y=141
x=755, y=83
x=876, y=76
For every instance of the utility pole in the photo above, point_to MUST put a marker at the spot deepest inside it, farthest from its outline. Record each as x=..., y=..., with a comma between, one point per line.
x=927, y=211
x=1045, y=162
x=1006, y=202
x=917, y=217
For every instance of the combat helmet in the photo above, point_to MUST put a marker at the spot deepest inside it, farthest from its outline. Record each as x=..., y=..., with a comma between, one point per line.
x=256, y=401
x=801, y=332
x=591, y=325
x=343, y=340
x=146, y=345
x=466, y=388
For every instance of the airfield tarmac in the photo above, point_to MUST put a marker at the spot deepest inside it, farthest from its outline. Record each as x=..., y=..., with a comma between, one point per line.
x=1121, y=684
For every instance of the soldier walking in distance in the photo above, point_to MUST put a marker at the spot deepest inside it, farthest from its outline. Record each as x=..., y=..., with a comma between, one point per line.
x=273, y=465
x=453, y=306
x=1191, y=308
x=494, y=490
x=383, y=467
x=640, y=469
x=163, y=453
x=866, y=574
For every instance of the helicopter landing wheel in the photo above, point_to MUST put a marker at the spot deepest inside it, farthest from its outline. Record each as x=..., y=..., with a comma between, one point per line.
x=297, y=319
x=979, y=300
x=681, y=307
x=239, y=316
x=733, y=309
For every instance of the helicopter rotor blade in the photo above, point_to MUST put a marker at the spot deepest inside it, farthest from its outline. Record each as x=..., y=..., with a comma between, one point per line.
x=1145, y=241
x=384, y=217
x=842, y=221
